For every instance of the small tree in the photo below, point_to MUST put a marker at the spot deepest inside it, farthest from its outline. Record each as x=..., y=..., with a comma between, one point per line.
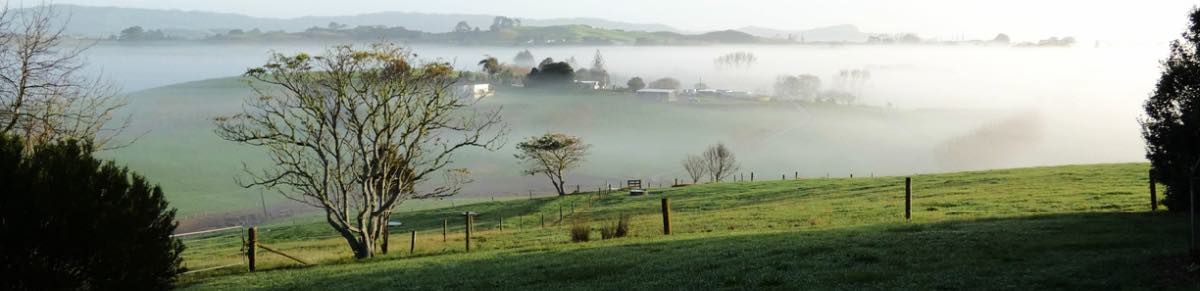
x=552, y=154
x=462, y=27
x=357, y=132
x=665, y=83
x=491, y=66
x=551, y=73
x=636, y=84
x=696, y=167
x=524, y=58
x=72, y=222
x=720, y=162
x=1172, y=123
x=43, y=97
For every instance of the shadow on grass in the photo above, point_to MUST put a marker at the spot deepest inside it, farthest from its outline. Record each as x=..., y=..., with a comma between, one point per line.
x=1092, y=251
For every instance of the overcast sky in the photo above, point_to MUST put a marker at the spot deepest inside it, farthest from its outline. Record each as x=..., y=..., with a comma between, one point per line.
x=1139, y=20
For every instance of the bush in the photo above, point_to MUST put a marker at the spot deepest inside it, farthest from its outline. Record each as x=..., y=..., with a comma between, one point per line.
x=581, y=231
x=619, y=229
x=72, y=222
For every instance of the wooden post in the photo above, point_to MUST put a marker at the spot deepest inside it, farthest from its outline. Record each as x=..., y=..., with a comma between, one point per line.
x=796, y=175
x=445, y=222
x=252, y=247
x=907, y=198
x=467, y=226
x=666, y=213
x=1153, y=193
x=560, y=213
x=1192, y=248
x=412, y=245
x=502, y=223
x=543, y=220
x=751, y=176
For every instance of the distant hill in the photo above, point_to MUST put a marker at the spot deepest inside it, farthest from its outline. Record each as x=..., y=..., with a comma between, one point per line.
x=837, y=33
x=94, y=21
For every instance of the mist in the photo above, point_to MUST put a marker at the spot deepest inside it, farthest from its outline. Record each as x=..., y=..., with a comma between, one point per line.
x=924, y=109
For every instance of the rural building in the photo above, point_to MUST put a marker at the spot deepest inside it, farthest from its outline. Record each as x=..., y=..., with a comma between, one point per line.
x=666, y=95
x=591, y=85
x=476, y=91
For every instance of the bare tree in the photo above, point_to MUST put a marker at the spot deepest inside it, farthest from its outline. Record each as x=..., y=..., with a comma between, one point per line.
x=43, y=97
x=720, y=162
x=696, y=167
x=552, y=154
x=357, y=132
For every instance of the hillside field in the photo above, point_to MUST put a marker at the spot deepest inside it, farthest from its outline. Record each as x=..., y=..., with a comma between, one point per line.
x=1081, y=227
x=177, y=148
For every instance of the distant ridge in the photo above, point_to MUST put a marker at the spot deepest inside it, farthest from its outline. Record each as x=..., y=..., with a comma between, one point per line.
x=836, y=33
x=96, y=21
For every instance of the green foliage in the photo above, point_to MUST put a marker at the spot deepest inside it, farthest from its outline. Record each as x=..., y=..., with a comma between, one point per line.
x=636, y=83
x=550, y=73
x=137, y=33
x=71, y=222
x=1172, y=123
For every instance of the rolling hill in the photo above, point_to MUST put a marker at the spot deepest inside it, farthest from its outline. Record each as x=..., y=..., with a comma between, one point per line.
x=95, y=21
x=197, y=170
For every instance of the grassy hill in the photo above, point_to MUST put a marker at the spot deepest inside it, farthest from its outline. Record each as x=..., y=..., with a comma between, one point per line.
x=1068, y=227
x=177, y=146
x=631, y=138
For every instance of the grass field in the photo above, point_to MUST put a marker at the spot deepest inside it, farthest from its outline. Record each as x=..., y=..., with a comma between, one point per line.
x=1069, y=227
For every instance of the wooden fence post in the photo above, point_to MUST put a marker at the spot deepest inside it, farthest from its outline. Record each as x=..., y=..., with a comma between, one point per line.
x=467, y=226
x=907, y=198
x=1153, y=193
x=751, y=176
x=666, y=213
x=796, y=175
x=444, y=223
x=501, y=223
x=543, y=220
x=252, y=247
x=412, y=246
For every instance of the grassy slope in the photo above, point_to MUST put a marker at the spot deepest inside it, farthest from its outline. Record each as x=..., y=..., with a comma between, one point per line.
x=1068, y=227
x=197, y=169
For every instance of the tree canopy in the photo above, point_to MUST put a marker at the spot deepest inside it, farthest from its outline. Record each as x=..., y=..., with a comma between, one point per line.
x=1171, y=127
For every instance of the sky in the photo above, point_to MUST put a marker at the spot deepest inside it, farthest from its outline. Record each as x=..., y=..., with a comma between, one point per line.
x=1142, y=20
